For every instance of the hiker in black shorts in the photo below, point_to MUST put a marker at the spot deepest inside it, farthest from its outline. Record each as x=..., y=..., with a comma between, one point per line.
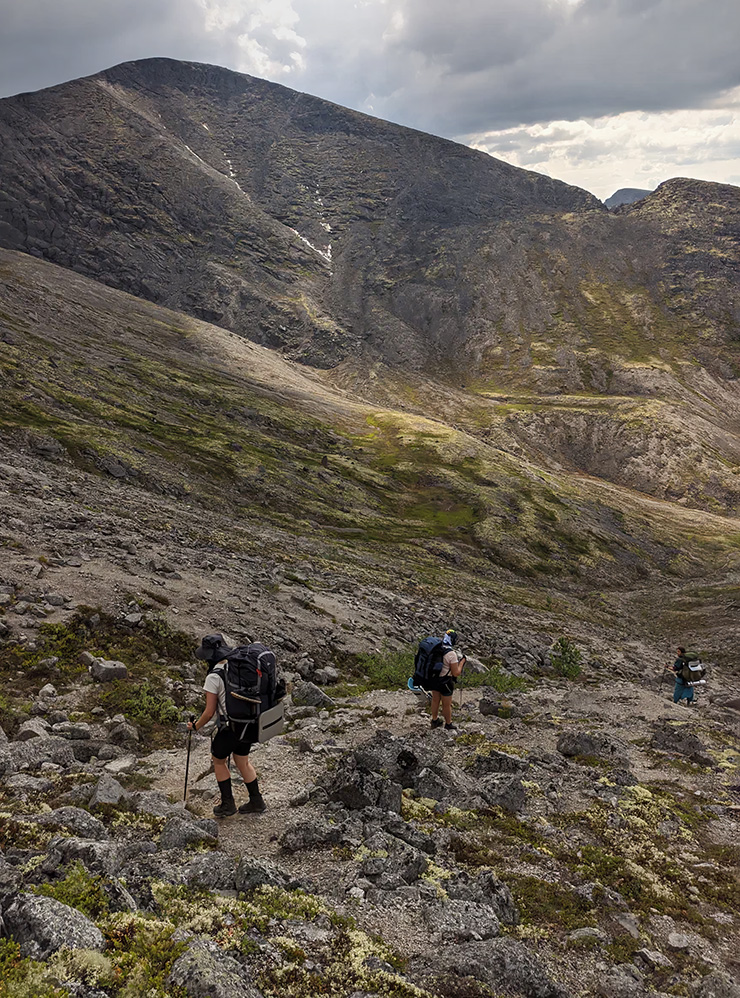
x=442, y=685
x=226, y=742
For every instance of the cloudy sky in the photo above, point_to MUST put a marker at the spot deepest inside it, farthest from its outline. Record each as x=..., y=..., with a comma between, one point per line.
x=600, y=93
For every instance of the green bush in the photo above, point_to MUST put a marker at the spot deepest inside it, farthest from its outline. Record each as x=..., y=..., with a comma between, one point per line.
x=142, y=703
x=79, y=889
x=566, y=658
x=23, y=978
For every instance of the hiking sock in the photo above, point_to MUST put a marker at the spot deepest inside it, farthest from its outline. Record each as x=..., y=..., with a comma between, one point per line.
x=227, y=805
x=255, y=804
x=226, y=792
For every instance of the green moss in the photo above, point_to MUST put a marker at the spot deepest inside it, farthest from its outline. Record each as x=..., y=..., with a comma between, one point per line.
x=548, y=904
x=142, y=952
x=24, y=978
x=78, y=889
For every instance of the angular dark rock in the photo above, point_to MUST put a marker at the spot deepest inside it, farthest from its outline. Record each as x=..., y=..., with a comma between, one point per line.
x=504, y=964
x=581, y=743
x=179, y=833
x=42, y=926
x=681, y=741
x=205, y=971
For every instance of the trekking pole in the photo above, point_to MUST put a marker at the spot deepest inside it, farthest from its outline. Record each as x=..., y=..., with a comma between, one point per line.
x=187, y=763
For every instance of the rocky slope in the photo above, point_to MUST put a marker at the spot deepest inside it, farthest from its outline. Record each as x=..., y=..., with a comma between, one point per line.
x=548, y=848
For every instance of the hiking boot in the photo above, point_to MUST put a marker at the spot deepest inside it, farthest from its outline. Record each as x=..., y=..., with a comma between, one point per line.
x=225, y=808
x=450, y=727
x=437, y=722
x=255, y=805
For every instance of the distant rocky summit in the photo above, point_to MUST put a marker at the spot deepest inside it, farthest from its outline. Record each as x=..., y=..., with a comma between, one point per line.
x=626, y=195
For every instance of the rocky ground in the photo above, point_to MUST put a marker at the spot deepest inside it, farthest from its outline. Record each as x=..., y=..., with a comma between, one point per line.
x=572, y=837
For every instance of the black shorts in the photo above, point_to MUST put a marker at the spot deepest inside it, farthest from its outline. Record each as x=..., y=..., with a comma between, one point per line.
x=445, y=685
x=226, y=742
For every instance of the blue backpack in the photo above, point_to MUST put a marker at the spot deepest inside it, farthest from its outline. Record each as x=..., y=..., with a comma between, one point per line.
x=428, y=660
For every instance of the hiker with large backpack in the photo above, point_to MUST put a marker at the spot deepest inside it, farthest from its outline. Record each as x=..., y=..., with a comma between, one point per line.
x=240, y=689
x=437, y=667
x=688, y=670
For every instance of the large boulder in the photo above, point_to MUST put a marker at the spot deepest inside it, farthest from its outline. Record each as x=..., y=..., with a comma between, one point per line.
x=493, y=761
x=504, y=791
x=681, y=741
x=205, y=971
x=76, y=820
x=486, y=888
x=504, y=965
x=213, y=870
x=582, y=743
x=179, y=834
x=397, y=759
x=358, y=790
x=42, y=926
x=307, y=694
x=30, y=755
x=716, y=985
x=104, y=671
x=461, y=921
x=108, y=791
x=252, y=873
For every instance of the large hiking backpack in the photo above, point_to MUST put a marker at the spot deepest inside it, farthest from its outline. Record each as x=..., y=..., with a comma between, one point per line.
x=428, y=660
x=250, y=682
x=692, y=669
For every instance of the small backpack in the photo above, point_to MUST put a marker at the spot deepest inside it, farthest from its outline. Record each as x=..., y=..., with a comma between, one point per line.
x=692, y=670
x=250, y=681
x=428, y=660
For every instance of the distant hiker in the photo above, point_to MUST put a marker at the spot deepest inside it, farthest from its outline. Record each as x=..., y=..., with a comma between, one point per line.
x=237, y=689
x=437, y=667
x=682, y=690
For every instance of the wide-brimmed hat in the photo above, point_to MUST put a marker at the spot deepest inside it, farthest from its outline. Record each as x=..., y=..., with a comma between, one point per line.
x=213, y=648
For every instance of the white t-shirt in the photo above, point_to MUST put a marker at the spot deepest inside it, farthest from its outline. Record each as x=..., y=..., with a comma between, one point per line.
x=215, y=684
x=448, y=661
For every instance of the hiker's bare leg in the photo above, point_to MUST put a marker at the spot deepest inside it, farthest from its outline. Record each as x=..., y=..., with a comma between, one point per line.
x=447, y=709
x=436, y=697
x=221, y=768
x=245, y=767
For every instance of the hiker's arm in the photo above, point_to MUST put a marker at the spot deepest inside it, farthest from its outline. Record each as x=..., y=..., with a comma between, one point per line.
x=205, y=717
x=457, y=667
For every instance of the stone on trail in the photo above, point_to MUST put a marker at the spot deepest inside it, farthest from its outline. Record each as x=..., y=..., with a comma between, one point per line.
x=42, y=926
x=307, y=694
x=653, y=958
x=104, y=671
x=36, y=727
x=108, y=791
x=178, y=834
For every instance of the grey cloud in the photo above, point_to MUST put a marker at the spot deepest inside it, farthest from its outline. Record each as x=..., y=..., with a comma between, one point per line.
x=595, y=58
x=456, y=69
x=44, y=42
